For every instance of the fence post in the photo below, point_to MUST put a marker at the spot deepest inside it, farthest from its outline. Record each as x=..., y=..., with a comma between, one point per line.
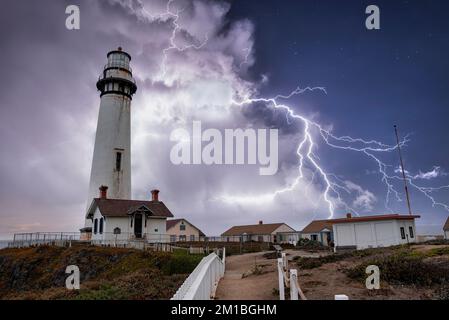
x=281, y=279
x=293, y=284
x=284, y=261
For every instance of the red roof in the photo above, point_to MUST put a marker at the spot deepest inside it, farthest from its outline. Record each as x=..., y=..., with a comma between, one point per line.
x=318, y=225
x=122, y=208
x=254, y=229
x=376, y=218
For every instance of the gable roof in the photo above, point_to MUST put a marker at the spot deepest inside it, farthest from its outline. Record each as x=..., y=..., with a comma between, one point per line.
x=318, y=225
x=123, y=208
x=173, y=222
x=446, y=225
x=256, y=229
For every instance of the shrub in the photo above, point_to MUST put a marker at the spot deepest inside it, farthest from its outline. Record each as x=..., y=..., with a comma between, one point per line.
x=181, y=262
x=307, y=244
x=311, y=263
x=403, y=268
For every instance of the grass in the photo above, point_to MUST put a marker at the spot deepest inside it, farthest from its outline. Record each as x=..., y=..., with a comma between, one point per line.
x=105, y=273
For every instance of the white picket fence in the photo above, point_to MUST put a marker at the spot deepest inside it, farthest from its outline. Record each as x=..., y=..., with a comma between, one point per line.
x=203, y=281
x=289, y=279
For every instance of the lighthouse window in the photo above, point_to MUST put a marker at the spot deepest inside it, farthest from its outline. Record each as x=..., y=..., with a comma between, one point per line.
x=95, y=226
x=118, y=161
x=101, y=225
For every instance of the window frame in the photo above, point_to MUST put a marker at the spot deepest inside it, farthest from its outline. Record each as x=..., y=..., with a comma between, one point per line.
x=118, y=161
x=95, y=225
x=402, y=230
x=411, y=232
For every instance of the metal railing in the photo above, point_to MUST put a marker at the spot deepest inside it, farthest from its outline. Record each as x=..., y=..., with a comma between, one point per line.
x=203, y=281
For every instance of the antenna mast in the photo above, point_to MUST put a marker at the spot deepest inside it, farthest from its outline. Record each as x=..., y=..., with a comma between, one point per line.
x=403, y=171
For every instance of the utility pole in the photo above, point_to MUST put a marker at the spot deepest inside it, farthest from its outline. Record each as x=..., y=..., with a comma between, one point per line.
x=403, y=171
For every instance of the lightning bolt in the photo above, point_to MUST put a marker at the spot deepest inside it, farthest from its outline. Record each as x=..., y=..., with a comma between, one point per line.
x=307, y=158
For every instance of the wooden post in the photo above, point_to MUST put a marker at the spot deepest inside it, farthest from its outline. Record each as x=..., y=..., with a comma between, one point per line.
x=293, y=284
x=285, y=261
x=281, y=279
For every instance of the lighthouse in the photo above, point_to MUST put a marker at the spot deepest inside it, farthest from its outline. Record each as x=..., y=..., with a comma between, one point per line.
x=111, y=163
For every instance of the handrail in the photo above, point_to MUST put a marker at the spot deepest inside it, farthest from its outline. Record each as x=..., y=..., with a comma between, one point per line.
x=203, y=281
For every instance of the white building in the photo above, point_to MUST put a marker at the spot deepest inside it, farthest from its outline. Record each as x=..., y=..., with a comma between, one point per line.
x=373, y=231
x=124, y=220
x=183, y=230
x=111, y=163
x=446, y=229
x=319, y=230
x=272, y=232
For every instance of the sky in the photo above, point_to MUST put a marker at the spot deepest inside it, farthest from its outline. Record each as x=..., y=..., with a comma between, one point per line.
x=217, y=62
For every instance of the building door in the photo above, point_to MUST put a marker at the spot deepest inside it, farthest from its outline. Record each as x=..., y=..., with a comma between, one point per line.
x=138, y=226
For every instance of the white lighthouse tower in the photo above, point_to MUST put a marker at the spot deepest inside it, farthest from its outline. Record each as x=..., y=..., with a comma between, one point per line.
x=111, y=164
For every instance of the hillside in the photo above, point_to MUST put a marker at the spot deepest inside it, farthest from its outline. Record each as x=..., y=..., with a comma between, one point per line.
x=105, y=273
x=406, y=273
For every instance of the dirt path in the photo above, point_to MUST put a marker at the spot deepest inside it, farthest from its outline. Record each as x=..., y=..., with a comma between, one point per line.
x=242, y=282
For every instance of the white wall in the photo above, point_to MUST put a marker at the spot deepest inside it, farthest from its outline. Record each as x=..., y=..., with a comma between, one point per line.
x=113, y=132
x=446, y=235
x=373, y=234
x=155, y=230
x=190, y=230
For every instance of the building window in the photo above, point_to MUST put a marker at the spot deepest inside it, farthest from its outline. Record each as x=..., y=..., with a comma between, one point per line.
x=118, y=161
x=95, y=226
x=156, y=230
x=172, y=238
x=314, y=237
x=101, y=225
x=410, y=230
x=182, y=227
x=402, y=233
x=182, y=238
x=192, y=238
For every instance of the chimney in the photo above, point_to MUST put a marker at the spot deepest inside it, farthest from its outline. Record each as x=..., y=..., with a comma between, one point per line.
x=349, y=215
x=103, y=192
x=260, y=222
x=155, y=195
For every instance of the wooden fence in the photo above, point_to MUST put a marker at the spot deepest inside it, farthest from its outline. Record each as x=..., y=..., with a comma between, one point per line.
x=289, y=279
